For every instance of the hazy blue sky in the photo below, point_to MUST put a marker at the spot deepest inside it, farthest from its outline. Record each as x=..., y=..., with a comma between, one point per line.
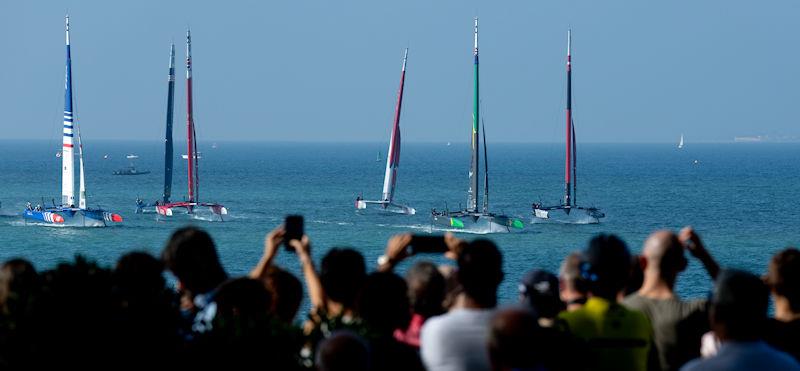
x=644, y=71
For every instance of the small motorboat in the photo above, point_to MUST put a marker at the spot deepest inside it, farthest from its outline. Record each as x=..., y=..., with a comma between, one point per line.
x=130, y=170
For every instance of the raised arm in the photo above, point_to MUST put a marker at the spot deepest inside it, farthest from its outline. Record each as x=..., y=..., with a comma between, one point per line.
x=691, y=241
x=315, y=292
x=271, y=244
x=396, y=251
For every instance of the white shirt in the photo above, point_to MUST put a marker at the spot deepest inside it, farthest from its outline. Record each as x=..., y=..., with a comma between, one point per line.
x=745, y=355
x=456, y=341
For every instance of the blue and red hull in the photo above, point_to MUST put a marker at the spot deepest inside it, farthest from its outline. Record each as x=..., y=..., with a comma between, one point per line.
x=71, y=217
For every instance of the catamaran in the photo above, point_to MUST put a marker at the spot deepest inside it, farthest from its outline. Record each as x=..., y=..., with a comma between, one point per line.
x=67, y=214
x=392, y=160
x=165, y=206
x=472, y=219
x=568, y=211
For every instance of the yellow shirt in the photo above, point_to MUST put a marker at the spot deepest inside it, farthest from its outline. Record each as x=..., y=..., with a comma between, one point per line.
x=617, y=338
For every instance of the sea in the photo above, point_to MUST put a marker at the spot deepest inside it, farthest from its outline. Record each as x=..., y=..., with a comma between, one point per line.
x=742, y=198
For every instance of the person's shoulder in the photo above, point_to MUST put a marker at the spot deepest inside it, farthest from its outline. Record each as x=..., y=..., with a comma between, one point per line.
x=635, y=318
x=781, y=360
x=436, y=324
x=635, y=301
x=694, y=305
x=695, y=365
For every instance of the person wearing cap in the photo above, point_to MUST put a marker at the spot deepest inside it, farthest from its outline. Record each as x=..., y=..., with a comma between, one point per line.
x=538, y=291
x=617, y=338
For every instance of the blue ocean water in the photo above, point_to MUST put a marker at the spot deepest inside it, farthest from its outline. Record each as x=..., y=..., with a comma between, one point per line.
x=742, y=198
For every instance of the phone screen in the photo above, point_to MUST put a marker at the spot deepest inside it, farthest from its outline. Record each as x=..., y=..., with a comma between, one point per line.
x=421, y=243
x=294, y=230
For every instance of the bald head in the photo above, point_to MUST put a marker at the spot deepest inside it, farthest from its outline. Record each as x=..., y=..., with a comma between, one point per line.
x=664, y=254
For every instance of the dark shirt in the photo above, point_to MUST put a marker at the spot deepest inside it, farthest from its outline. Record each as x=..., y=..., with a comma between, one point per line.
x=388, y=354
x=677, y=327
x=784, y=336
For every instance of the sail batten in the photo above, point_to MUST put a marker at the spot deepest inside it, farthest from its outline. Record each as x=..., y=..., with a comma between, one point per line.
x=168, y=150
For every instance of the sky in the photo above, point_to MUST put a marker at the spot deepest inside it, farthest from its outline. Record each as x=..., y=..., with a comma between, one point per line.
x=328, y=71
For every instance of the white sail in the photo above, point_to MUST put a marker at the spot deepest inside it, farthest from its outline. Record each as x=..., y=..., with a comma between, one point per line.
x=680, y=144
x=82, y=189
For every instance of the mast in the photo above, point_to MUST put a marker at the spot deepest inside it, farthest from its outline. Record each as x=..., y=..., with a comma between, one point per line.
x=67, y=159
x=568, y=163
x=485, y=172
x=393, y=155
x=168, y=151
x=472, y=201
x=190, y=147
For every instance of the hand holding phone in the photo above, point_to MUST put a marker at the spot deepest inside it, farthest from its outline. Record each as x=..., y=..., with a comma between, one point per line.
x=293, y=225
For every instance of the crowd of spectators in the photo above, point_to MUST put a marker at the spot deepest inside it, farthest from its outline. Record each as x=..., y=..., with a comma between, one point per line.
x=605, y=309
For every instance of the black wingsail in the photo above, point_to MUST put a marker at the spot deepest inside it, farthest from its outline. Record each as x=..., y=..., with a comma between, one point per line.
x=168, y=136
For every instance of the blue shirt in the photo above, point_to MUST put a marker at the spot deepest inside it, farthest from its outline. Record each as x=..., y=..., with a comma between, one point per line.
x=744, y=355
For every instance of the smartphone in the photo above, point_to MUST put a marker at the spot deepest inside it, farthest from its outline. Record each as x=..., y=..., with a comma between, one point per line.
x=294, y=230
x=424, y=243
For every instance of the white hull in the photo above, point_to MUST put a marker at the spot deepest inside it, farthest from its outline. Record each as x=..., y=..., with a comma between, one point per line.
x=567, y=215
x=386, y=207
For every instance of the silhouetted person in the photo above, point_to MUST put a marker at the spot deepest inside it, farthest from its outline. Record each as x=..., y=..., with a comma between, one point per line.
x=426, y=289
x=677, y=325
x=783, y=278
x=738, y=314
x=538, y=291
x=384, y=308
x=515, y=341
x=342, y=274
x=245, y=332
x=191, y=256
x=287, y=294
x=457, y=340
x=19, y=287
x=617, y=338
x=146, y=316
x=572, y=287
x=73, y=317
x=286, y=289
x=342, y=351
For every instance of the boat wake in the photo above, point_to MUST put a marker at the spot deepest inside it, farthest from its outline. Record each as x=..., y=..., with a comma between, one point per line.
x=318, y=221
x=580, y=220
